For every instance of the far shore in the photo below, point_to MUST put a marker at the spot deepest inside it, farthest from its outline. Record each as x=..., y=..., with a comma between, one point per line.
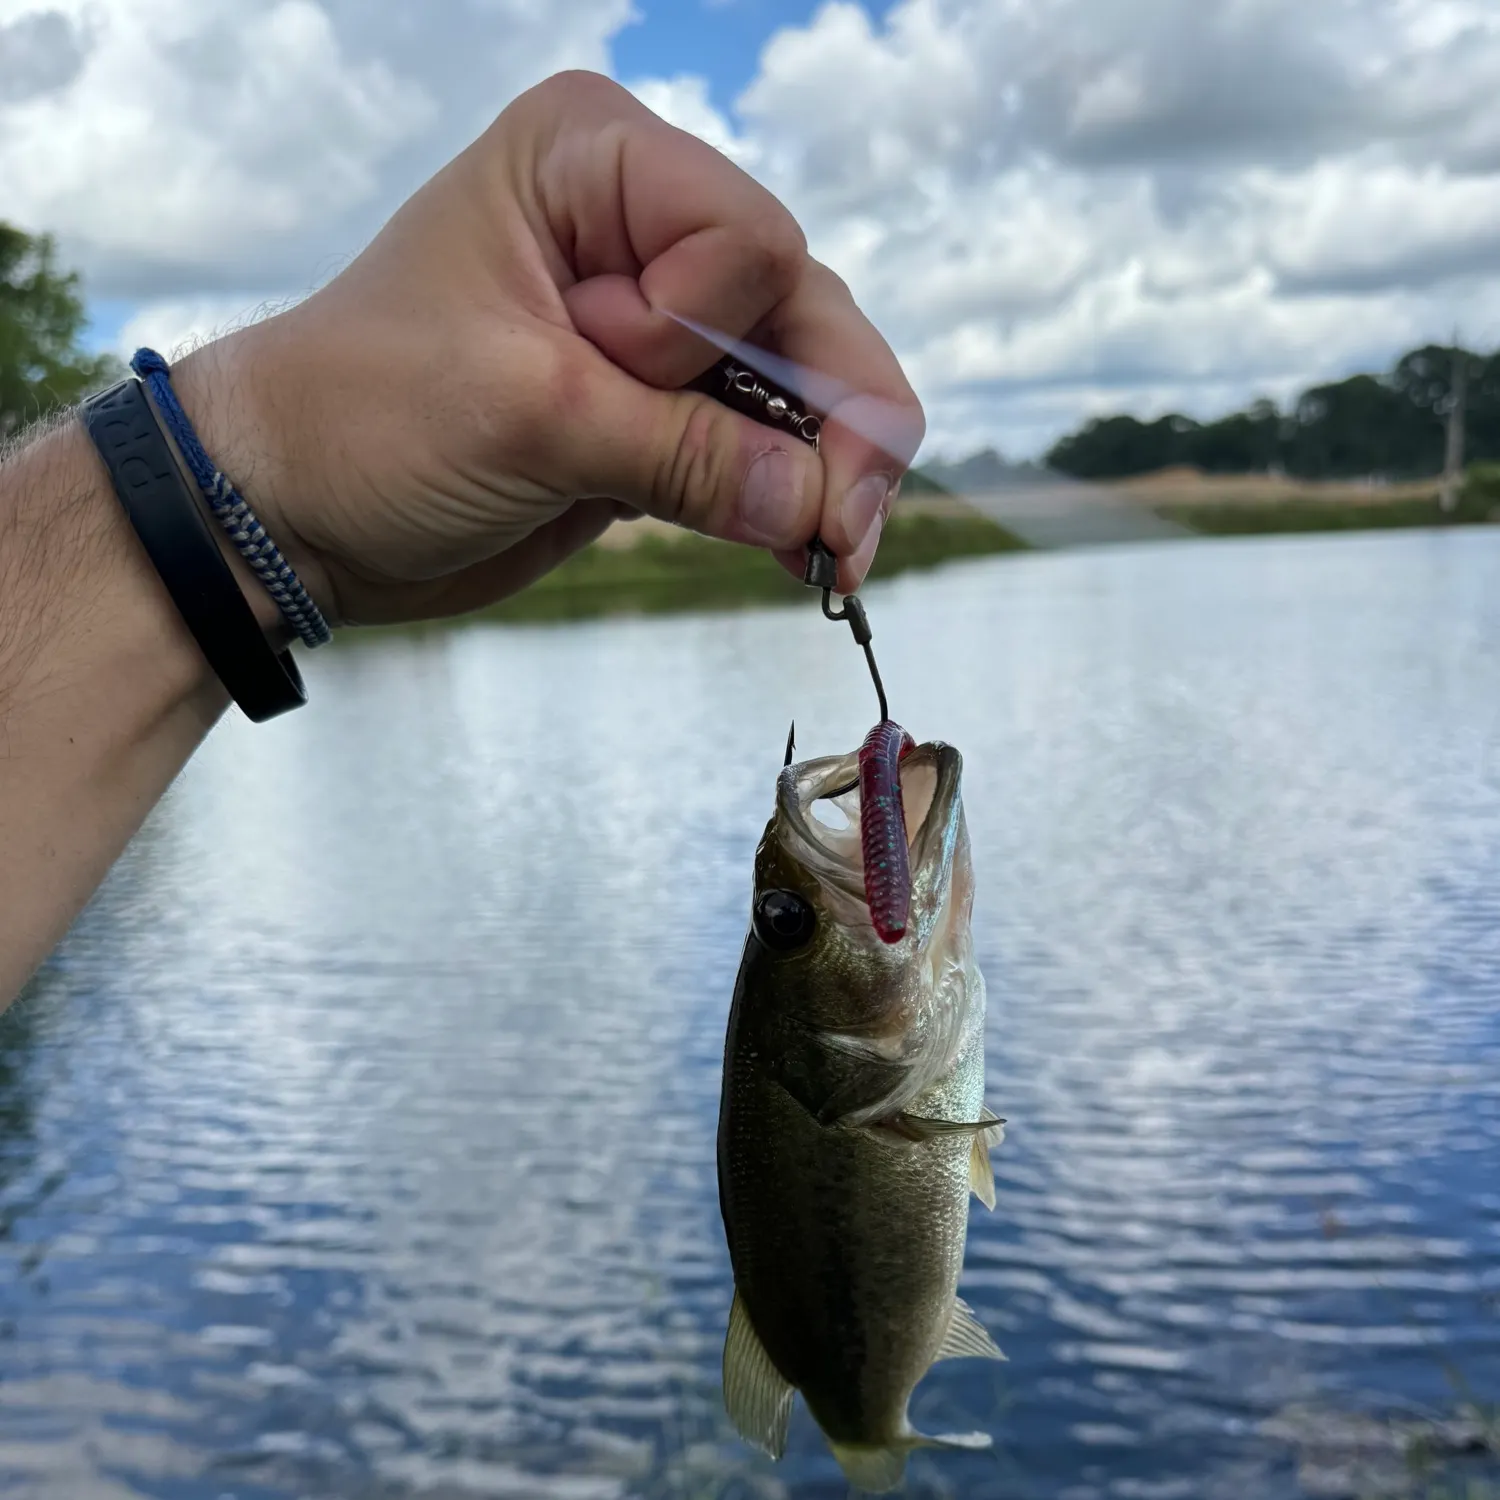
x=649, y=567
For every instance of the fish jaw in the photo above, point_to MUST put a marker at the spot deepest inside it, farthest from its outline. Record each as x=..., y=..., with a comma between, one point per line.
x=830, y=859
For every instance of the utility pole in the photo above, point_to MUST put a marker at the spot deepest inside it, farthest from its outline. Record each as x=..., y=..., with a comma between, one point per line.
x=1453, y=466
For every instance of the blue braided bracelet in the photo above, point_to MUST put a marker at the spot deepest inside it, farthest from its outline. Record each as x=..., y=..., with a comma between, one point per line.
x=231, y=509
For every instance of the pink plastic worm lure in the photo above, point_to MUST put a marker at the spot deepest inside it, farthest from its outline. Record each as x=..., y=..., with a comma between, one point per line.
x=883, y=829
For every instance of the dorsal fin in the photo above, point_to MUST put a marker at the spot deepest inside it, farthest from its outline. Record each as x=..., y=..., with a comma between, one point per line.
x=756, y=1395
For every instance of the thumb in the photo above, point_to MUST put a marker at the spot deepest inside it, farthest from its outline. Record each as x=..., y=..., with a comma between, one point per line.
x=685, y=458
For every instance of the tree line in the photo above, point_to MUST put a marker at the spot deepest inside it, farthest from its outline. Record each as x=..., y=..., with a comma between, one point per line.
x=1391, y=426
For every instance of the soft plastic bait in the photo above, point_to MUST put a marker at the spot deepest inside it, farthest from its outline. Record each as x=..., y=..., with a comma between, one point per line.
x=882, y=824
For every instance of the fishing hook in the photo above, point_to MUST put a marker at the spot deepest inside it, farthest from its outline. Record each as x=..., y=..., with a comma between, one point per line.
x=853, y=610
x=739, y=387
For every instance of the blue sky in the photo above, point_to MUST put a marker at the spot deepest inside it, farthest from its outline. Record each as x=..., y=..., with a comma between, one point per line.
x=107, y=316
x=720, y=40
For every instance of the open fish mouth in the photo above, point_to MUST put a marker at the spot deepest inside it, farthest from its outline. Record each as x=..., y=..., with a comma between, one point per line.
x=818, y=824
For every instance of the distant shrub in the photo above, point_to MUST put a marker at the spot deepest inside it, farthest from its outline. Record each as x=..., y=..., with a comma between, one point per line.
x=1482, y=485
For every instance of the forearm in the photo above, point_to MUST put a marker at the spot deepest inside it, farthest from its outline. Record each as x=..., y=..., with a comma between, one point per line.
x=428, y=433
x=103, y=693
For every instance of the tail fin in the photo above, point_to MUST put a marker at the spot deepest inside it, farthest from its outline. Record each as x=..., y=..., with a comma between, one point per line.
x=877, y=1470
x=880, y=1470
x=968, y=1442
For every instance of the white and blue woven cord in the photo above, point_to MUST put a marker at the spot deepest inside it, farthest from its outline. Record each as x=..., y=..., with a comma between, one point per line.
x=230, y=508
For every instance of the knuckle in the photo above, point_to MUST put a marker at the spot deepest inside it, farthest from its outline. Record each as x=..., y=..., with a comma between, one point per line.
x=559, y=374
x=830, y=284
x=524, y=424
x=579, y=90
x=690, y=472
x=572, y=95
x=775, y=250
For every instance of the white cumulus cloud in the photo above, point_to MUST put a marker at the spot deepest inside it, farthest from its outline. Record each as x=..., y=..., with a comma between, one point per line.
x=183, y=147
x=1059, y=207
x=1051, y=207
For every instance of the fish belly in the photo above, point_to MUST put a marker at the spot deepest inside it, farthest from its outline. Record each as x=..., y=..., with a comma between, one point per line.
x=847, y=1245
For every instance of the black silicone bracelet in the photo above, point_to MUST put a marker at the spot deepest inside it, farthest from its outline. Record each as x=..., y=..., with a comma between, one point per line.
x=184, y=551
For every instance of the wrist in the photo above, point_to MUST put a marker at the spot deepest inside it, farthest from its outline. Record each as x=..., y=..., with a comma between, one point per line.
x=233, y=393
x=83, y=600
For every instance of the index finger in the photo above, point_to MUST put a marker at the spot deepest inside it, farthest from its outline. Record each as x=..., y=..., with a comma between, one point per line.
x=871, y=433
x=661, y=228
x=650, y=221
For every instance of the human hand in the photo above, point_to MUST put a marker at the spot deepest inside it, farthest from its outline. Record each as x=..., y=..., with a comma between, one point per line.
x=498, y=375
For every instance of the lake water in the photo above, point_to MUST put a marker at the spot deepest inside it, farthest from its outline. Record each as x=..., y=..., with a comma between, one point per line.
x=360, y=1139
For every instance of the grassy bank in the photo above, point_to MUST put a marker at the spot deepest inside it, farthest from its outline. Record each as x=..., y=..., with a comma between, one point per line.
x=1282, y=516
x=656, y=572
x=649, y=568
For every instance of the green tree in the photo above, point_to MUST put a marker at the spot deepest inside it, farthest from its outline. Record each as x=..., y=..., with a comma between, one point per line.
x=1248, y=442
x=1391, y=425
x=1425, y=376
x=1117, y=447
x=42, y=365
x=1361, y=426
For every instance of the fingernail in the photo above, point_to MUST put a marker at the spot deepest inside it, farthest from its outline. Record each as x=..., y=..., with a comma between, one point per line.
x=862, y=506
x=864, y=554
x=771, y=498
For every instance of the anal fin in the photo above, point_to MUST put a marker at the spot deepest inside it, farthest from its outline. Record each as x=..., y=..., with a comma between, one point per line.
x=967, y=1337
x=757, y=1396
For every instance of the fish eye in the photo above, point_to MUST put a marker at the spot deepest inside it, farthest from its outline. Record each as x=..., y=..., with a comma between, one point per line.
x=783, y=921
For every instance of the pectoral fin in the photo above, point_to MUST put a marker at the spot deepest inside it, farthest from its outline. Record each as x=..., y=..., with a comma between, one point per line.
x=756, y=1396
x=842, y=1080
x=919, y=1128
x=967, y=1337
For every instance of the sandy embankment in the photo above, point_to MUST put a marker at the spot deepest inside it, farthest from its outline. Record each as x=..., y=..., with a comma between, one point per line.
x=1187, y=486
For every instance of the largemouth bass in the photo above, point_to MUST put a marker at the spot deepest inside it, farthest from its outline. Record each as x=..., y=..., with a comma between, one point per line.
x=852, y=1127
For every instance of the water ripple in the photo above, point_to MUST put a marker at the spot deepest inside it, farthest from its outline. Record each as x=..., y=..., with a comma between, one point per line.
x=368, y=1150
